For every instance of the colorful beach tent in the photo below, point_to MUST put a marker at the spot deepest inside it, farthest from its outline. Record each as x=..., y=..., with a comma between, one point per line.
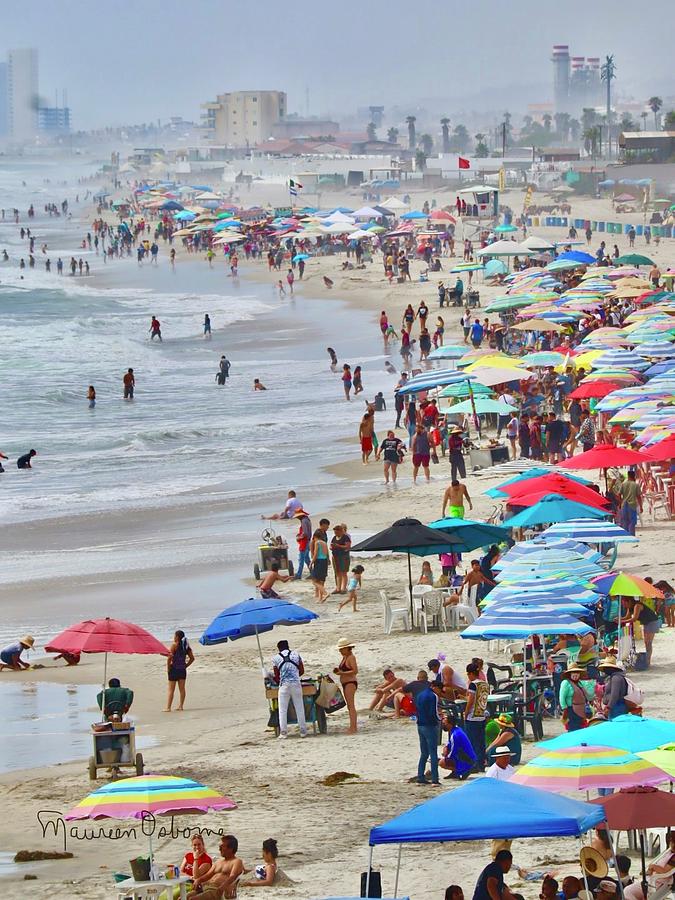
x=499, y=809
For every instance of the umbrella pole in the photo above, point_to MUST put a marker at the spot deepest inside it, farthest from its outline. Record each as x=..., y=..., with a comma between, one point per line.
x=583, y=870
x=398, y=869
x=412, y=611
x=262, y=662
x=105, y=678
x=645, y=886
x=370, y=868
x=616, y=865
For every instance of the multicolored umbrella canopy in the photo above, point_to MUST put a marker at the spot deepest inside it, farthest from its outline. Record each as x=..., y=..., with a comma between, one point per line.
x=634, y=734
x=158, y=795
x=590, y=532
x=558, y=587
x=664, y=758
x=622, y=584
x=587, y=767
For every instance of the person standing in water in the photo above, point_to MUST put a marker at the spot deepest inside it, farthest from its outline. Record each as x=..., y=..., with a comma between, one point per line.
x=155, y=329
x=129, y=384
x=91, y=396
x=207, y=326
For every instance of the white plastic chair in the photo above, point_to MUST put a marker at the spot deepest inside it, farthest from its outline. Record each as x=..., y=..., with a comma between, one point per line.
x=418, y=592
x=394, y=614
x=432, y=608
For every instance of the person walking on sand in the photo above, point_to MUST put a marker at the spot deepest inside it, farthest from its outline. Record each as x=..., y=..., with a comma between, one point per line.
x=179, y=660
x=288, y=671
x=347, y=670
x=290, y=278
x=155, y=329
x=421, y=452
x=353, y=586
x=129, y=382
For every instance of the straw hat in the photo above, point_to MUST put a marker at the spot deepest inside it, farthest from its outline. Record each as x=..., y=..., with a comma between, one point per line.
x=593, y=863
x=299, y=513
x=344, y=644
x=611, y=664
x=456, y=430
x=27, y=640
x=574, y=668
x=607, y=887
x=504, y=720
x=503, y=751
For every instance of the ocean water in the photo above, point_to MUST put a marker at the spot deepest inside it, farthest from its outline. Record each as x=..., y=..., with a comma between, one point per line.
x=180, y=476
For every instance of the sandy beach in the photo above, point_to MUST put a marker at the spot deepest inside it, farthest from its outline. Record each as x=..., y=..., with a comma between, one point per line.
x=221, y=738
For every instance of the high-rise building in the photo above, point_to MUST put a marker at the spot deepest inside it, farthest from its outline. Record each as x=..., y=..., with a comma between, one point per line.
x=22, y=93
x=54, y=119
x=243, y=118
x=561, y=77
x=4, y=102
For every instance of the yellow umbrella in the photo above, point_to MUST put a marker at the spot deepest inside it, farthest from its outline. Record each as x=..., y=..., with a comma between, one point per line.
x=586, y=359
x=495, y=359
x=663, y=758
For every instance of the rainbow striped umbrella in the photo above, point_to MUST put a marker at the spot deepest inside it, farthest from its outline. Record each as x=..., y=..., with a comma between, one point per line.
x=586, y=768
x=157, y=795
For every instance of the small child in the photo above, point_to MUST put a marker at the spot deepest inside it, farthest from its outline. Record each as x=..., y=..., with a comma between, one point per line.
x=353, y=585
x=427, y=576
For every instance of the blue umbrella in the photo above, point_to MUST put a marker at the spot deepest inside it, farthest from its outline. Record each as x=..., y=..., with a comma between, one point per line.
x=577, y=256
x=300, y=256
x=172, y=205
x=632, y=733
x=414, y=214
x=253, y=617
x=554, y=508
x=582, y=529
x=538, y=604
x=469, y=534
x=558, y=589
x=495, y=267
x=522, y=623
x=448, y=351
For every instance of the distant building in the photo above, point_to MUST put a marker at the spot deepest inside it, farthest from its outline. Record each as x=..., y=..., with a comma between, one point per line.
x=54, y=119
x=648, y=146
x=242, y=118
x=576, y=81
x=296, y=127
x=4, y=102
x=22, y=92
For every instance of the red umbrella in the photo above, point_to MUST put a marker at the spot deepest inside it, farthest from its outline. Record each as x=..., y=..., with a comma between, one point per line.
x=603, y=456
x=106, y=636
x=662, y=451
x=525, y=493
x=594, y=390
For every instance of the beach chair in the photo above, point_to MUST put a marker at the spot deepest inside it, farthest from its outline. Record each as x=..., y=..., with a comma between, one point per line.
x=394, y=614
x=432, y=608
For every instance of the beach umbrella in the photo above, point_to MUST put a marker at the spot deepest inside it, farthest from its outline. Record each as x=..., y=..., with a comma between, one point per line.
x=491, y=375
x=603, y=456
x=560, y=265
x=549, y=590
x=587, y=767
x=577, y=256
x=495, y=267
x=536, y=243
x=481, y=406
x=624, y=359
x=655, y=349
x=407, y=536
x=634, y=734
x=505, y=229
x=466, y=267
x=522, y=477
x=254, y=617
x=466, y=389
x=554, y=482
x=413, y=215
x=634, y=259
x=442, y=215
x=545, y=358
x=623, y=584
x=593, y=390
x=500, y=248
x=106, y=636
x=590, y=532
x=538, y=325
x=148, y=796
x=448, y=351
x=520, y=570
x=301, y=256
x=664, y=758
x=553, y=508
x=539, y=602
x=470, y=535
x=662, y=451
x=496, y=624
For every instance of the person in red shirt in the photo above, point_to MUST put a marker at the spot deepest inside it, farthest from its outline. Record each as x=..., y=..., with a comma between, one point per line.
x=196, y=861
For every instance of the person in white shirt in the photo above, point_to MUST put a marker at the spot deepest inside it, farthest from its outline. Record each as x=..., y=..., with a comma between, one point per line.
x=288, y=669
x=289, y=510
x=501, y=768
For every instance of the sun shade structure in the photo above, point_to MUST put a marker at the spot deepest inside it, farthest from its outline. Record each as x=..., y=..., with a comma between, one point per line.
x=499, y=809
x=496, y=624
x=635, y=734
x=603, y=456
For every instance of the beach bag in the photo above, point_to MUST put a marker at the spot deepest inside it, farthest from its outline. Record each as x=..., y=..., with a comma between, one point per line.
x=375, y=886
x=634, y=695
x=330, y=696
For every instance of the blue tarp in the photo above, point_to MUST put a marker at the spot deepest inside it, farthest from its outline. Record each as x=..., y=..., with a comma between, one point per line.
x=489, y=809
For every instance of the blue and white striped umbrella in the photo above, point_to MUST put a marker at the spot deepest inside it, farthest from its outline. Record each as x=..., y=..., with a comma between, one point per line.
x=510, y=570
x=625, y=359
x=590, y=532
x=522, y=624
x=433, y=379
x=530, y=551
x=568, y=607
x=567, y=589
x=656, y=349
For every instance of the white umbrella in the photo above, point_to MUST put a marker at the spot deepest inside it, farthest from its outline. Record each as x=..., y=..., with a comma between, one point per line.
x=366, y=212
x=489, y=375
x=359, y=234
x=536, y=243
x=394, y=204
x=501, y=248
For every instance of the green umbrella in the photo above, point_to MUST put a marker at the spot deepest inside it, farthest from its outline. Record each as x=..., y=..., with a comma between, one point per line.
x=503, y=229
x=463, y=390
x=635, y=259
x=517, y=301
x=482, y=406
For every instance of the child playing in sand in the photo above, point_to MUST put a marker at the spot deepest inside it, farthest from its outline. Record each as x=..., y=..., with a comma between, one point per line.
x=353, y=586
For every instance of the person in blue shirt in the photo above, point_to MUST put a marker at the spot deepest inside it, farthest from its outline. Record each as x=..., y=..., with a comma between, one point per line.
x=476, y=334
x=427, y=730
x=459, y=757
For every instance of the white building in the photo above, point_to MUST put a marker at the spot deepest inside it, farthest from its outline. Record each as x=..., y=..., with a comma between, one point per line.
x=22, y=93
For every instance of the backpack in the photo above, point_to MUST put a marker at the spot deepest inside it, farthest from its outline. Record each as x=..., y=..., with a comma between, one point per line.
x=634, y=695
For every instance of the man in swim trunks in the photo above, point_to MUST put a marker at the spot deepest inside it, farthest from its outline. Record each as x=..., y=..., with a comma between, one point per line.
x=366, y=432
x=421, y=452
x=129, y=384
x=23, y=462
x=220, y=880
x=155, y=329
x=453, y=500
x=266, y=584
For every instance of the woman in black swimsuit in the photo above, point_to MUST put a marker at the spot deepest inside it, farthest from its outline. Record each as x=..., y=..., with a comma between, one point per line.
x=348, y=670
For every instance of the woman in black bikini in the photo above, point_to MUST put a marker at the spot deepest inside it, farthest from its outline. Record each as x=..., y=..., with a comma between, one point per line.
x=348, y=670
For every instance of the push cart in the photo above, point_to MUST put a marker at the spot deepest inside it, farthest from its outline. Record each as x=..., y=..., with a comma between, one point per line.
x=315, y=715
x=114, y=749
x=274, y=549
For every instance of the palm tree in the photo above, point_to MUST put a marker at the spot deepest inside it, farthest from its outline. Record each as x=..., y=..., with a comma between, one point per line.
x=575, y=129
x=643, y=115
x=371, y=132
x=445, y=128
x=410, y=122
x=627, y=123
x=426, y=143
x=460, y=139
x=481, y=150
x=420, y=160
x=669, y=120
x=655, y=104
x=392, y=135
x=547, y=119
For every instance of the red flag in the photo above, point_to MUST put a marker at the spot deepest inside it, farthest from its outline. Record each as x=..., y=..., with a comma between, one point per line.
x=464, y=163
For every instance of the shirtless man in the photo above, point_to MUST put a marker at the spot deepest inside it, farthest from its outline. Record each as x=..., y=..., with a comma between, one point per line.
x=266, y=584
x=474, y=577
x=220, y=880
x=385, y=690
x=454, y=497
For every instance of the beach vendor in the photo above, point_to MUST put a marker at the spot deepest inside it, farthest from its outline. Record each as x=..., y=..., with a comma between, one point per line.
x=458, y=757
x=117, y=701
x=10, y=656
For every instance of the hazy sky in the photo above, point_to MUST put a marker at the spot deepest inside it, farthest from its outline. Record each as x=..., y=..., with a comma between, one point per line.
x=129, y=62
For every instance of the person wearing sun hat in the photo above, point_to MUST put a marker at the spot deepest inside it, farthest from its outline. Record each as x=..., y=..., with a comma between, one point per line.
x=303, y=538
x=347, y=670
x=508, y=737
x=574, y=698
x=616, y=687
x=10, y=656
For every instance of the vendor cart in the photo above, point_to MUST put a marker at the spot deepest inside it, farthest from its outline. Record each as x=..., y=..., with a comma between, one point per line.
x=315, y=715
x=274, y=549
x=114, y=749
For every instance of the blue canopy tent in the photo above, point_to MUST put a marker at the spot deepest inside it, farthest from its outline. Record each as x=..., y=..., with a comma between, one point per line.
x=499, y=810
x=253, y=617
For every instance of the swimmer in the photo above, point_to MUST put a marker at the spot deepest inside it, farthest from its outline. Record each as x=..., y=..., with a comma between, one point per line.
x=333, y=358
x=91, y=396
x=258, y=385
x=155, y=329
